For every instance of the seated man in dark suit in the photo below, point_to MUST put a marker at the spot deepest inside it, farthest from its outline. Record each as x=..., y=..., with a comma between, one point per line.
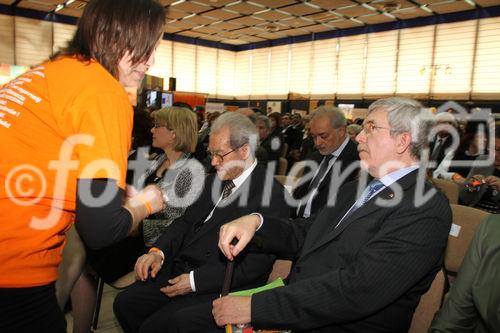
x=364, y=263
x=442, y=142
x=292, y=134
x=272, y=145
x=185, y=267
x=337, y=157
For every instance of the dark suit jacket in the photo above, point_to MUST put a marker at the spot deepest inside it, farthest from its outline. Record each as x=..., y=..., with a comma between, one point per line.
x=366, y=275
x=293, y=137
x=267, y=145
x=347, y=157
x=186, y=250
x=442, y=150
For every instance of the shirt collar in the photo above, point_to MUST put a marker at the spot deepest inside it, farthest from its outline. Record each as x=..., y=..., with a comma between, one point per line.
x=244, y=175
x=394, y=176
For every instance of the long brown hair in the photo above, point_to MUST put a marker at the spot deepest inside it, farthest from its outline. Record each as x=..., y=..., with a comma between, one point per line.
x=110, y=28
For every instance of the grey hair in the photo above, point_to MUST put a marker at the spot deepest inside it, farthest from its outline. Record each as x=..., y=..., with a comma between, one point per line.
x=407, y=115
x=337, y=117
x=265, y=120
x=241, y=130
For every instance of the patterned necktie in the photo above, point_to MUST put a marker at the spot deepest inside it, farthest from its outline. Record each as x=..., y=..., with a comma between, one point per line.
x=228, y=187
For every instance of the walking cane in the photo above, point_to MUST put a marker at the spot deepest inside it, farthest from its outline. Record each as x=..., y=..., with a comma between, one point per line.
x=228, y=276
x=226, y=286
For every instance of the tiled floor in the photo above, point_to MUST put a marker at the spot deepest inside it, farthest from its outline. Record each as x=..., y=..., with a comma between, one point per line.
x=107, y=321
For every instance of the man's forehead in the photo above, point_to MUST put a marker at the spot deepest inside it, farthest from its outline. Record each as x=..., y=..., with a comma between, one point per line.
x=322, y=123
x=377, y=115
x=219, y=140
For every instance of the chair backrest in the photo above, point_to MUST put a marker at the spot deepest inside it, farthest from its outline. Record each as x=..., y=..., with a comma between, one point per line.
x=281, y=269
x=465, y=221
x=449, y=188
x=282, y=166
x=429, y=304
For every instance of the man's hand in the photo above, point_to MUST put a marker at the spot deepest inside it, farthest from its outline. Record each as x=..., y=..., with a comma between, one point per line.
x=242, y=229
x=178, y=286
x=232, y=310
x=151, y=261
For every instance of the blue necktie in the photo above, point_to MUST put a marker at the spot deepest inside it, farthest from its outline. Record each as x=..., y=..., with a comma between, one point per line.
x=370, y=190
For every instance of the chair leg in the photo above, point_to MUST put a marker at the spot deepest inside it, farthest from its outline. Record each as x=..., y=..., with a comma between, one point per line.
x=97, y=309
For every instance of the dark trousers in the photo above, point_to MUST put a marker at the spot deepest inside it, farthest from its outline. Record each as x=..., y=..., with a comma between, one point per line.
x=144, y=308
x=30, y=310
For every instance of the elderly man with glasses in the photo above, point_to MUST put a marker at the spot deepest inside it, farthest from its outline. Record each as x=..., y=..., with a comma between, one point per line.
x=185, y=267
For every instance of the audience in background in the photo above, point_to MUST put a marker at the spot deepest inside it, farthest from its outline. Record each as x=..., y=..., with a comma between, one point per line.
x=292, y=134
x=442, y=143
x=275, y=119
x=271, y=145
x=353, y=130
x=203, y=136
x=307, y=147
x=473, y=147
x=481, y=188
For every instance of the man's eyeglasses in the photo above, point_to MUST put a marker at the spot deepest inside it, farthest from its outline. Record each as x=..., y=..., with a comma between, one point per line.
x=369, y=127
x=220, y=157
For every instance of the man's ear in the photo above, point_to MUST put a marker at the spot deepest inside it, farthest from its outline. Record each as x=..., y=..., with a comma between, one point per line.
x=245, y=151
x=404, y=141
x=342, y=131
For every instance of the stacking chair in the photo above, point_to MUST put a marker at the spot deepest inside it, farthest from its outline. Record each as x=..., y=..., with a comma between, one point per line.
x=429, y=304
x=465, y=221
x=121, y=283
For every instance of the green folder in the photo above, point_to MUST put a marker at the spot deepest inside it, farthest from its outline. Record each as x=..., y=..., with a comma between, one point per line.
x=248, y=292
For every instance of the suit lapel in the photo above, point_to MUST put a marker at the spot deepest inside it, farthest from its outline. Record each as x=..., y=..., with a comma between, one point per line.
x=328, y=232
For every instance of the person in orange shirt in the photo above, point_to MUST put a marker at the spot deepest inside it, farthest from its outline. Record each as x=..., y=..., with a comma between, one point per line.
x=65, y=128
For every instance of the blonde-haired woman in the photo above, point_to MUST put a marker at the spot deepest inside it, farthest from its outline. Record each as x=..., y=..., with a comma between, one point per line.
x=174, y=131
